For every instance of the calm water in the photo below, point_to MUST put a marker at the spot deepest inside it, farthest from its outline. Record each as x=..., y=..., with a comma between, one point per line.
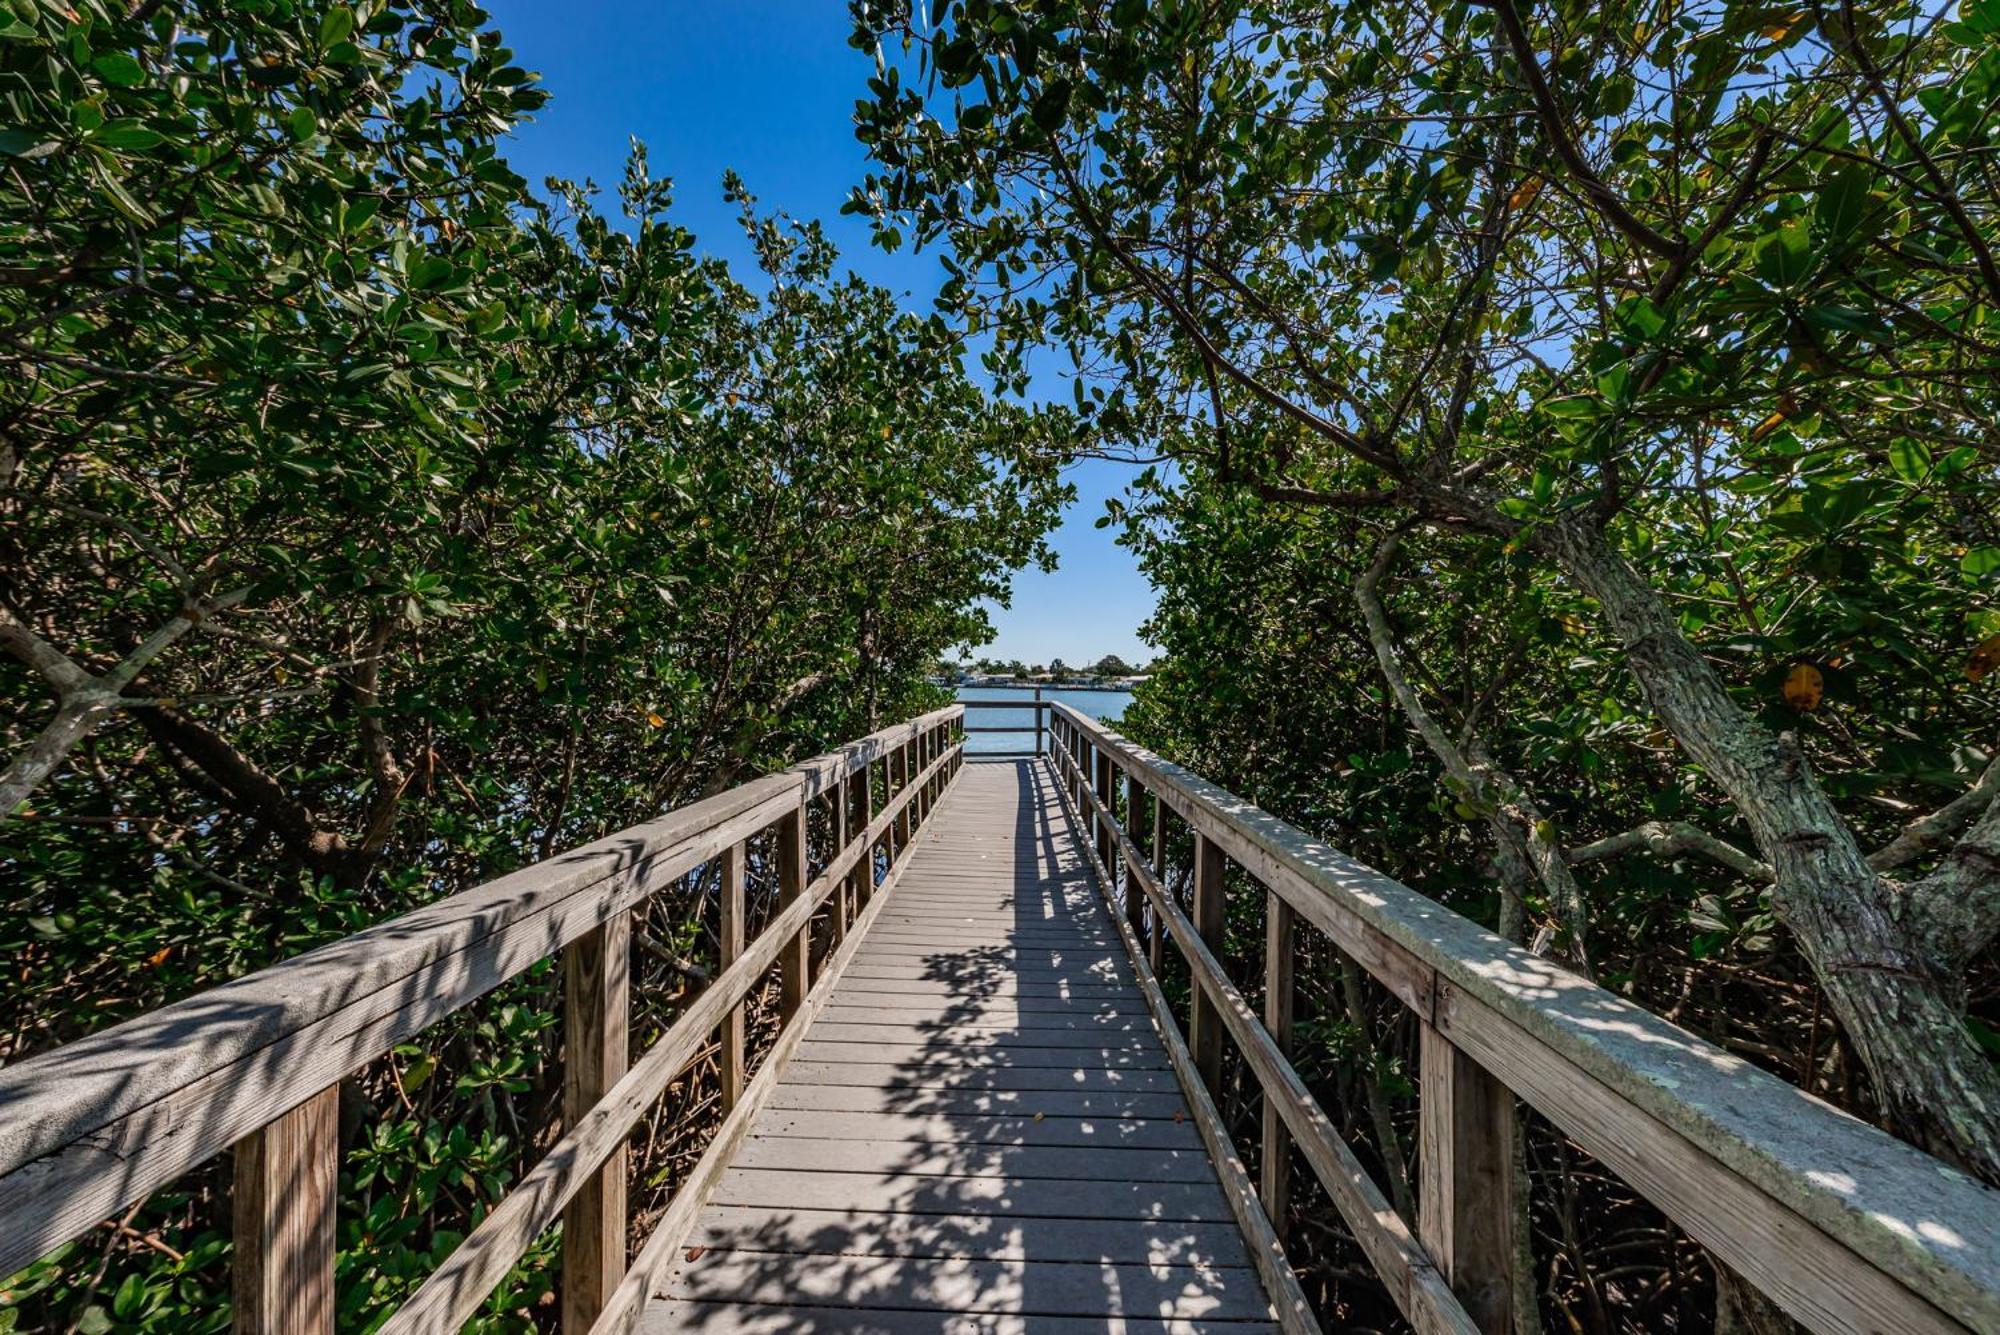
x=1106, y=705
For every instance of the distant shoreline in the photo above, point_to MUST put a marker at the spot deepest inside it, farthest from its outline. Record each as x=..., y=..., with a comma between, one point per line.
x=1043, y=686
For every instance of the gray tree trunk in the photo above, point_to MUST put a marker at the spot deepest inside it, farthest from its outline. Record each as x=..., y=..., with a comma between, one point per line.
x=1902, y=1008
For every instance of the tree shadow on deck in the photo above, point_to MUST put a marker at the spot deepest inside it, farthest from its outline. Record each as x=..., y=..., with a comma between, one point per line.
x=981, y=1131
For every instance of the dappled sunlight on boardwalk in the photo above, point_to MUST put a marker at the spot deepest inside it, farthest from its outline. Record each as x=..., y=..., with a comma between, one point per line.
x=981, y=1131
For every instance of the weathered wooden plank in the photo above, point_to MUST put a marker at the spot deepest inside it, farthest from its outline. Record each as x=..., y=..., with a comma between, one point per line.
x=287, y=1180
x=971, y=1038
x=968, y=1158
x=847, y=1233
x=596, y=1052
x=731, y=894
x=1280, y=982
x=891, y=1076
x=919, y=1057
x=957, y=1015
x=978, y=972
x=1103, y=1132
x=1466, y=1171
x=1813, y=1276
x=795, y=960
x=1004, y=1197
x=1049, y=1288
x=1021, y=993
x=771, y=1319
x=981, y=1102
x=1210, y=915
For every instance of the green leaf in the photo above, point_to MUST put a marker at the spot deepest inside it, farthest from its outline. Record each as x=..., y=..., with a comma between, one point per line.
x=1575, y=406
x=1911, y=459
x=1842, y=201
x=130, y=1298
x=335, y=26
x=128, y=134
x=1980, y=562
x=115, y=67
x=301, y=123
x=1784, y=257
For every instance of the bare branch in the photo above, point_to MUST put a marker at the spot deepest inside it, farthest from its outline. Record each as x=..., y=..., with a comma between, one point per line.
x=1512, y=815
x=1928, y=833
x=1671, y=839
x=83, y=699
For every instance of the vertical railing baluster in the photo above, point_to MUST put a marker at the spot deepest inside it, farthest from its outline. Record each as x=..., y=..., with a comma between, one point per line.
x=795, y=960
x=1465, y=1149
x=1135, y=831
x=731, y=894
x=1156, y=941
x=1205, y=1028
x=1274, y=1181
x=596, y=1048
x=1107, y=843
x=864, y=874
x=843, y=907
x=287, y=1178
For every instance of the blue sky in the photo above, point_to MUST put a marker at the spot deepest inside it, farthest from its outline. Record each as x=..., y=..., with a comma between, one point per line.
x=768, y=88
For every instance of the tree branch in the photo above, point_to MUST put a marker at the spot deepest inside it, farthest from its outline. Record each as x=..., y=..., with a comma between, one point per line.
x=1670, y=839
x=1555, y=125
x=1928, y=833
x=1512, y=815
x=83, y=699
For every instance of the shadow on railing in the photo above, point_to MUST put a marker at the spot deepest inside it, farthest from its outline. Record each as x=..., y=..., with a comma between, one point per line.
x=1845, y=1227
x=94, y=1126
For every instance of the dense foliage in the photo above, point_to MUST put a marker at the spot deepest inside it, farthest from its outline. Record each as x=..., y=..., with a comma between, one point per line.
x=373, y=525
x=1575, y=484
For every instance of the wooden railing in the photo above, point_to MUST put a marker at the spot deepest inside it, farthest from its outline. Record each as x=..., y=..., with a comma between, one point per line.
x=1035, y=728
x=92, y=1127
x=1845, y=1227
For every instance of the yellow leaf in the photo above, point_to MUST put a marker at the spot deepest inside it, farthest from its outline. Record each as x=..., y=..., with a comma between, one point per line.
x=1984, y=658
x=158, y=957
x=1525, y=193
x=656, y=720
x=1804, y=686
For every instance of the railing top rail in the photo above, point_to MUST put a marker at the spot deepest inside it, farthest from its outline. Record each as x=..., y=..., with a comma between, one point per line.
x=222, y=1062
x=1934, y=1229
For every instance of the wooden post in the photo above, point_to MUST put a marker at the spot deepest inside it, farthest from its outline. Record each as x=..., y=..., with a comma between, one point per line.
x=596, y=1016
x=1135, y=830
x=1274, y=1181
x=287, y=1178
x=795, y=960
x=1205, y=1039
x=1037, y=711
x=732, y=947
x=1465, y=1162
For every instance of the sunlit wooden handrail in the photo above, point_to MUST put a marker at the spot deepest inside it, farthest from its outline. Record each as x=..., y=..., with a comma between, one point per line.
x=93, y=1126
x=1847, y=1228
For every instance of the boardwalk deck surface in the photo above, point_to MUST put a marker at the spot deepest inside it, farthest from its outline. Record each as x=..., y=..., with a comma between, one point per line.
x=981, y=1132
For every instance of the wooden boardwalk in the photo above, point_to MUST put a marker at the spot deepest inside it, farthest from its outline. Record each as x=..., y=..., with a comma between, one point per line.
x=981, y=1131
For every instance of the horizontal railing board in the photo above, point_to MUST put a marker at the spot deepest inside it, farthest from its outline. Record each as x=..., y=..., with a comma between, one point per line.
x=1893, y=1206
x=96, y=1124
